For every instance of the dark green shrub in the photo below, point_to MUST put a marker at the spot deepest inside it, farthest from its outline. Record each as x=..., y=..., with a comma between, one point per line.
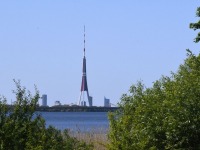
x=165, y=116
x=22, y=129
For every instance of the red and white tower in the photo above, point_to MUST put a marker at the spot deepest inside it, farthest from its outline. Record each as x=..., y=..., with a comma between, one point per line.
x=84, y=86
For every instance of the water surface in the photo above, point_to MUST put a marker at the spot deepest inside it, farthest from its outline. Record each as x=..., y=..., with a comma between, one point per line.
x=78, y=121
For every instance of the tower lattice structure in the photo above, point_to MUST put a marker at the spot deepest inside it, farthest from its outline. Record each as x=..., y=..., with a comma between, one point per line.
x=84, y=85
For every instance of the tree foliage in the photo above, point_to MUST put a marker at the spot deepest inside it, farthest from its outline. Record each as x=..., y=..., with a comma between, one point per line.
x=196, y=26
x=21, y=128
x=165, y=116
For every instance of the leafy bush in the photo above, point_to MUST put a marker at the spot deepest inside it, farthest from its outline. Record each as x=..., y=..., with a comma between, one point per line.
x=165, y=116
x=23, y=129
x=196, y=26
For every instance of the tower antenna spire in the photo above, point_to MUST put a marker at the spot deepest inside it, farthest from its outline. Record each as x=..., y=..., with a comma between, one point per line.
x=84, y=86
x=84, y=40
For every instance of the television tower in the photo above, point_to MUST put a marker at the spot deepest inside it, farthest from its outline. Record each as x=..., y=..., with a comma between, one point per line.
x=84, y=86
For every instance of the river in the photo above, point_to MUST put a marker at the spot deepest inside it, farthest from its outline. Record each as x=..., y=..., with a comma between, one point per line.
x=78, y=121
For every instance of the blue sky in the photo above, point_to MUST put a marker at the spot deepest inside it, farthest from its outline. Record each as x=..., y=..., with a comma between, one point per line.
x=41, y=43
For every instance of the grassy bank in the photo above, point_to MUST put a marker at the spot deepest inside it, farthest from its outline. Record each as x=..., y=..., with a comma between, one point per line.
x=98, y=139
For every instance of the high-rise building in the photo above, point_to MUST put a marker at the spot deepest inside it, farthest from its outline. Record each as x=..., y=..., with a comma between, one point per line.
x=90, y=100
x=83, y=103
x=44, y=100
x=106, y=102
x=84, y=85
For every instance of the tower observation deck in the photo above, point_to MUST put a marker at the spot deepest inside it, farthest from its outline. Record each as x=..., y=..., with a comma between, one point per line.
x=84, y=85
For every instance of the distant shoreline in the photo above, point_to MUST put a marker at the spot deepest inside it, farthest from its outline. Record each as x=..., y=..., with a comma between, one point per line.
x=76, y=109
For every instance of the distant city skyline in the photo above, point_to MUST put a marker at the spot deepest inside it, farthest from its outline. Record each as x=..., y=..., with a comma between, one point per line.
x=41, y=43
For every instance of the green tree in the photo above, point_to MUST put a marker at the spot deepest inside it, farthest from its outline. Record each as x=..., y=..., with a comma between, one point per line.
x=21, y=128
x=196, y=26
x=165, y=116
